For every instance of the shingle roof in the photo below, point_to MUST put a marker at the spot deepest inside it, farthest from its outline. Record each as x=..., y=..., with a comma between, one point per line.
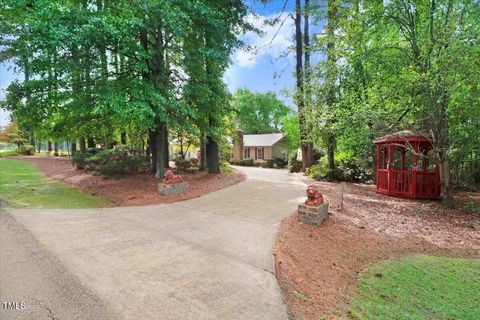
x=261, y=140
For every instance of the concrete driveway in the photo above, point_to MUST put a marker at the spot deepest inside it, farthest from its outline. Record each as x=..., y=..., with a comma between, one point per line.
x=206, y=258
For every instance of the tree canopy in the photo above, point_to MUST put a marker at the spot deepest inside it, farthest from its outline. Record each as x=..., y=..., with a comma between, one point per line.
x=258, y=112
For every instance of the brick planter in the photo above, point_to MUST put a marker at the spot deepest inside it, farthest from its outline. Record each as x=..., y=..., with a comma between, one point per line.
x=313, y=215
x=175, y=188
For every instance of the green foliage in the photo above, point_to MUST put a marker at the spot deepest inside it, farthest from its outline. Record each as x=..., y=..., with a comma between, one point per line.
x=26, y=150
x=225, y=167
x=292, y=133
x=126, y=165
x=194, y=162
x=420, y=287
x=183, y=165
x=294, y=165
x=9, y=153
x=23, y=186
x=94, y=68
x=79, y=160
x=319, y=170
x=270, y=163
x=94, y=157
x=260, y=163
x=247, y=162
x=258, y=112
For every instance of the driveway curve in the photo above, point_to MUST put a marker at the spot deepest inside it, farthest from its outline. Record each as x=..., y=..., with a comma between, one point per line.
x=205, y=258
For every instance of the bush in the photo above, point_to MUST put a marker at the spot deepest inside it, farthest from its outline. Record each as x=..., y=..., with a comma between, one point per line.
x=280, y=163
x=319, y=170
x=194, y=162
x=345, y=171
x=260, y=163
x=26, y=150
x=183, y=165
x=79, y=160
x=95, y=157
x=270, y=163
x=247, y=162
x=9, y=153
x=225, y=167
x=294, y=165
x=127, y=165
x=352, y=172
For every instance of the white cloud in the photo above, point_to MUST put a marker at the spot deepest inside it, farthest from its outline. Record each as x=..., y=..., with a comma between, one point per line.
x=273, y=42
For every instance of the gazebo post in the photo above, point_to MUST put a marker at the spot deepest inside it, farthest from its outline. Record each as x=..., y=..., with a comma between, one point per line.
x=402, y=160
x=378, y=165
x=389, y=168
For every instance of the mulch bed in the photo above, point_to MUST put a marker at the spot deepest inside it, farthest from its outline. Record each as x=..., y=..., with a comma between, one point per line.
x=134, y=189
x=317, y=268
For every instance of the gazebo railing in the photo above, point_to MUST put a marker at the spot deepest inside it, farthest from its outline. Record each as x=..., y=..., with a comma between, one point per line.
x=417, y=184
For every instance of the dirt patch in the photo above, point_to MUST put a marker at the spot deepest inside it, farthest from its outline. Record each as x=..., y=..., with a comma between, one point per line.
x=131, y=190
x=317, y=268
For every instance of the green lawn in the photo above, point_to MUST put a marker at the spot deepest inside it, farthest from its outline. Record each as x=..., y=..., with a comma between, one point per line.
x=419, y=287
x=23, y=186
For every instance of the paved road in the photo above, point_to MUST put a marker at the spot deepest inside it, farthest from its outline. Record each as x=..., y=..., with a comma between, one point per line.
x=206, y=258
x=31, y=275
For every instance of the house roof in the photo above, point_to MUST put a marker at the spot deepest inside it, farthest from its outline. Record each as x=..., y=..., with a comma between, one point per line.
x=261, y=140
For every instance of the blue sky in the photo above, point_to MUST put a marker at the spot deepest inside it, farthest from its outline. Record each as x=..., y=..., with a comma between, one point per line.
x=267, y=67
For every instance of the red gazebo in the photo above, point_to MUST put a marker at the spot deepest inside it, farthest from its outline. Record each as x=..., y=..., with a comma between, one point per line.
x=405, y=166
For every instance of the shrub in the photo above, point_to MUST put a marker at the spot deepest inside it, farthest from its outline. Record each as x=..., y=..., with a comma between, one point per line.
x=260, y=163
x=294, y=165
x=127, y=165
x=350, y=171
x=194, y=162
x=79, y=160
x=95, y=157
x=280, y=162
x=183, y=165
x=225, y=167
x=92, y=151
x=319, y=170
x=270, y=162
x=26, y=150
x=9, y=153
x=248, y=162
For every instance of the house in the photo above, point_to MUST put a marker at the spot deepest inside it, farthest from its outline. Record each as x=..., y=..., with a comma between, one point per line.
x=257, y=146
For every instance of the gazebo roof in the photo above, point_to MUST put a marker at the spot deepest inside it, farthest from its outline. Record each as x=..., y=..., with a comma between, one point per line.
x=405, y=136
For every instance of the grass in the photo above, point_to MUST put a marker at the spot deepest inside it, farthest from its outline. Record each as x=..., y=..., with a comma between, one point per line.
x=419, y=287
x=22, y=185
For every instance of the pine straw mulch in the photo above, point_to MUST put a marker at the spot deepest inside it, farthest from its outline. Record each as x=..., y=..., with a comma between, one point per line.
x=317, y=268
x=133, y=189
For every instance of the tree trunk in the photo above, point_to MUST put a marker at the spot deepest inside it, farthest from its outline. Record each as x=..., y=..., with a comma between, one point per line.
x=331, y=154
x=330, y=80
x=203, y=153
x=49, y=146
x=153, y=148
x=181, y=149
x=307, y=87
x=160, y=150
x=91, y=142
x=213, y=160
x=123, y=137
x=166, y=153
x=55, y=148
x=74, y=147
x=31, y=137
x=82, y=145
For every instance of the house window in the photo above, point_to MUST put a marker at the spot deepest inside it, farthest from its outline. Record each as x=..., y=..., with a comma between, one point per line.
x=246, y=153
x=259, y=153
